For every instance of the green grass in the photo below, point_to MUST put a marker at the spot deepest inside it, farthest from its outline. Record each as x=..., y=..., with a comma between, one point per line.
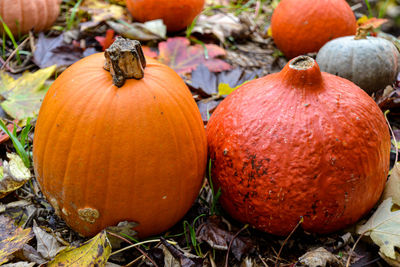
x=190, y=228
x=71, y=18
x=20, y=142
x=11, y=36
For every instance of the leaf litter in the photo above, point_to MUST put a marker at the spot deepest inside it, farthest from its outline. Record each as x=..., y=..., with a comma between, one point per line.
x=226, y=47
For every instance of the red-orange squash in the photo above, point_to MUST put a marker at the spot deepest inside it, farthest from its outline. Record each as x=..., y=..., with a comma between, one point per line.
x=176, y=14
x=104, y=154
x=299, y=143
x=304, y=26
x=23, y=15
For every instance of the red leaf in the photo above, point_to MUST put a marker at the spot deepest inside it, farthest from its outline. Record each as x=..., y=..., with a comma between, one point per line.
x=184, y=58
x=3, y=136
x=106, y=41
x=374, y=22
x=148, y=52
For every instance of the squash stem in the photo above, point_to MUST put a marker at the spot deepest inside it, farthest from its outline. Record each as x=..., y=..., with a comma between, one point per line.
x=125, y=60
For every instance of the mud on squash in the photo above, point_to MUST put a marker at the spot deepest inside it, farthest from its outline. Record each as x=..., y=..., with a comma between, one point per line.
x=134, y=150
x=304, y=26
x=299, y=143
x=176, y=14
x=23, y=15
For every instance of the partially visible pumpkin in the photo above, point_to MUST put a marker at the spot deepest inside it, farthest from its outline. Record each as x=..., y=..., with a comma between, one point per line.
x=370, y=62
x=23, y=15
x=299, y=143
x=104, y=154
x=304, y=26
x=176, y=14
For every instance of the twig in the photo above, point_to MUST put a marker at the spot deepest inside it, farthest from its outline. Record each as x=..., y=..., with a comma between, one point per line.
x=230, y=243
x=354, y=247
x=14, y=52
x=286, y=240
x=135, y=246
x=394, y=137
x=262, y=260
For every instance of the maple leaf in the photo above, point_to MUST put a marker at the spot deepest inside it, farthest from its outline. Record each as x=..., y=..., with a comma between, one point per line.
x=184, y=58
x=106, y=41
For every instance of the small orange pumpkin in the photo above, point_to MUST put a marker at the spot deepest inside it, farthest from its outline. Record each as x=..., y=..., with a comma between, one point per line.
x=104, y=154
x=299, y=143
x=23, y=15
x=304, y=26
x=176, y=14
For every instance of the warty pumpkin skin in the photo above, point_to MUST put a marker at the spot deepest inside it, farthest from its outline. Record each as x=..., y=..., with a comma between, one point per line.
x=304, y=26
x=298, y=143
x=370, y=62
x=104, y=154
x=23, y=15
x=176, y=15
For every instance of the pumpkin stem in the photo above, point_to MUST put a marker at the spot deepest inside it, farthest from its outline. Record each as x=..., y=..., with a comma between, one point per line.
x=302, y=63
x=363, y=31
x=125, y=60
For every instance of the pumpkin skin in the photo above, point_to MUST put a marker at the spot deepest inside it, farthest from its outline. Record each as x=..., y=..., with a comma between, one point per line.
x=298, y=143
x=176, y=15
x=23, y=15
x=371, y=63
x=304, y=26
x=136, y=153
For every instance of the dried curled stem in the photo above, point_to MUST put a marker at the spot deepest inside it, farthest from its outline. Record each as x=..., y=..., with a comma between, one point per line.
x=125, y=60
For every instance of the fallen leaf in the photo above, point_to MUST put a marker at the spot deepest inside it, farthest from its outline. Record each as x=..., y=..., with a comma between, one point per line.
x=28, y=253
x=221, y=25
x=100, y=10
x=212, y=232
x=106, y=41
x=374, y=22
x=209, y=83
x=319, y=257
x=122, y=228
x=184, y=58
x=384, y=228
x=148, y=52
x=24, y=95
x=94, y=252
x=54, y=51
x=206, y=108
x=10, y=126
x=19, y=264
x=392, y=188
x=184, y=259
x=47, y=245
x=12, y=238
x=14, y=174
x=149, y=31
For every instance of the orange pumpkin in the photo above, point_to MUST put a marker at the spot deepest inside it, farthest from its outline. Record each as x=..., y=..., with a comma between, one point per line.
x=176, y=15
x=304, y=26
x=23, y=15
x=104, y=154
x=299, y=143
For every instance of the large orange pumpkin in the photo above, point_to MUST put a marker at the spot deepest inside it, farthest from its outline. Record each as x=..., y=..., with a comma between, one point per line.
x=299, y=143
x=23, y=15
x=104, y=154
x=304, y=26
x=176, y=14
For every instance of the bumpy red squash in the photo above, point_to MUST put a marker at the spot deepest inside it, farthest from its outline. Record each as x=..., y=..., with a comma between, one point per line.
x=104, y=154
x=304, y=26
x=176, y=14
x=299, y=143
x=23, y=15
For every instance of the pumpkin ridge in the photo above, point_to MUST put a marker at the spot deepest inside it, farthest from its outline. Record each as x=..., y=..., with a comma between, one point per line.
x=56, y=117
x=53, y=151
x=182, y=109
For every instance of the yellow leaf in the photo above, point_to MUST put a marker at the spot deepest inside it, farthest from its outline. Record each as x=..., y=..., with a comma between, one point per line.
x=384, y=229
x=94, y=252
x=102, y=11
x=392, y=188
x=226, y=89
x=12, y=238
x=14, y=174
x=24, y=95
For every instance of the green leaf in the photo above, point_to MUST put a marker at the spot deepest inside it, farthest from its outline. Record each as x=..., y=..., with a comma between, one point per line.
x=24, y=96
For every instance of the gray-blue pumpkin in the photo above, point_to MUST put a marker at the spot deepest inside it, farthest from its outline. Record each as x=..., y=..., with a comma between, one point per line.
x=370, y=62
